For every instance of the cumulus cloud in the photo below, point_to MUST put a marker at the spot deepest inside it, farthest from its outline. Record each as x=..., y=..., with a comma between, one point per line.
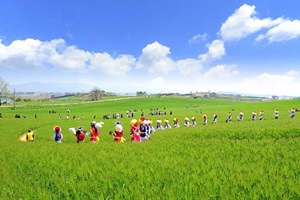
x=244, y=22
x=227, y=79
x=216, y=50
x=189, y=66
x=103, y=62
x=32, y=54
x=272, y=84
x=71, y=58
x=20, y=54
x=286, y=30
x=198, y=38
x=218, y=78
x=155, y=59
x=221, y=71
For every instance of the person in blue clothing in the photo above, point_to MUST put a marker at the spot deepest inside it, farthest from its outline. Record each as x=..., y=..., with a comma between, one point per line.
x=58, y=136
x=261, y=115
x=229, y=119
x=143, y=129
x=253, y=118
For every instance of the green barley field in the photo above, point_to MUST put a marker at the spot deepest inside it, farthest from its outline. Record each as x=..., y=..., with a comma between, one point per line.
x=238, y=160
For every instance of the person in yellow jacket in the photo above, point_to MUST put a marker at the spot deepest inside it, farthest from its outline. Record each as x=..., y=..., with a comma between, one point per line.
x=29, y=136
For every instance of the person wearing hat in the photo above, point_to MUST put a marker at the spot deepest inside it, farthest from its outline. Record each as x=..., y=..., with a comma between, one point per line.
x=241, y=116
x=229, y=119
x=204, y=120
x=58, y=136
x=143, y=128
x=118, y=133
x=80, y=135
x=186, y=122
x=253, y=118
x=292, y=113
x=167, y=125
x=193, y=121
x=159, y=125
x=134, y=131
x=276, y=114
x=94, y=132
x=176, y=124
x=261, y=115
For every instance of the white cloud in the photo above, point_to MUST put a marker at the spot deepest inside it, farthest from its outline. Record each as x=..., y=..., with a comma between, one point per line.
x=157, y=81
x=216, y=50
x=155, y=59
x=71, y=58
x=286, y=30
x=221, y=71
x=292, y=73
x=198, y=38
x=227, y=79
x=20, y=54
x=218, y=78
x=271, y=84
x=189, y=66
x=32, y=54
x=244, y=22
x=103, y=62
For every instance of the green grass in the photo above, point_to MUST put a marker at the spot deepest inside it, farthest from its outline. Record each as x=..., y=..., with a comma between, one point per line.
x=238, y=160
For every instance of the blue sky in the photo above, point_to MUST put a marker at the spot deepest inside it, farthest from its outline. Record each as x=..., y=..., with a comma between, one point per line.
x=246, y=47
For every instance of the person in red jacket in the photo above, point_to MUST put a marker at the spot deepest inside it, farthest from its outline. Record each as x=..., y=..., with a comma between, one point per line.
x=94, y=132
x=80, y=135
x=119, y=133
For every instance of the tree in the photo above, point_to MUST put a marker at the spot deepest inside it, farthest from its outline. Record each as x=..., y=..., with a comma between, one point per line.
x=140, y=93
x=96, y=93
x=212, y=95
x=3, y=87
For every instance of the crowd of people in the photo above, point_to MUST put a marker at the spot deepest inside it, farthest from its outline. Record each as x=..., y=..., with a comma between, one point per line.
x=141, y=129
